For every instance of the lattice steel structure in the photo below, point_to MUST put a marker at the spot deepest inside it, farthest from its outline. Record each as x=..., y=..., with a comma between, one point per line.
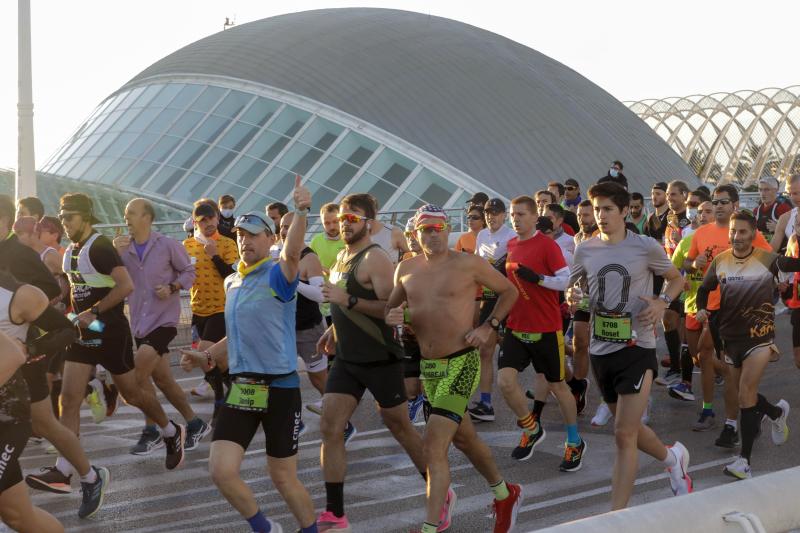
x=737, y=137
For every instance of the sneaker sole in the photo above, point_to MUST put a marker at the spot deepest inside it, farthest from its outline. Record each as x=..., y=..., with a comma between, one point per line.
x=313, y=409
x=515, y=509
x=784, y=417
x=580, y=464
x=105, y=475
x=734, y=475
x=450, y=510
x=726, y=445
x=701, y=429
x=685, y=469
x=149, y=451
x=679, y=396
x=535, y=444
x=336, y=530
x=181, y=438
x=482, y=418
x=37, y=484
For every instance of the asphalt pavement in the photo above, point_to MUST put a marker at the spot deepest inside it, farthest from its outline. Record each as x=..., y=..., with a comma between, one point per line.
x=383, y=490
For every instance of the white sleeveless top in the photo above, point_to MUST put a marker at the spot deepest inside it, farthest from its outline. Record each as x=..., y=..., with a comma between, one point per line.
x=8, y=287
x=384, y=239
x=46, y=251
x=789, y=230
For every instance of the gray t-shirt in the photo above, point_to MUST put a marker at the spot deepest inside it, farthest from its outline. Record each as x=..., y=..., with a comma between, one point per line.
x=618, y=274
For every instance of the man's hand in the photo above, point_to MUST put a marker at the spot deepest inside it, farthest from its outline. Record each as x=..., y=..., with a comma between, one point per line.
x=654, y=310
x=211, y=248
x=121, y=242
x=327, y=344
x=194, y=359
x=85, y=318
x=301, y=195
x=700, y=262
x=396, y=315
x=163, y=292
x=574, y=295
x=334, y=294
x=771, y=224
x=701, y=316
x=479, y=335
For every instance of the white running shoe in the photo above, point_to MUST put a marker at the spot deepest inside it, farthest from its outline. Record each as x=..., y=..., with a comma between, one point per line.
x=315, y=407
x=679, y=480
x=602, y=416
x=739, y=469
x=780, y=430
x=202, y=390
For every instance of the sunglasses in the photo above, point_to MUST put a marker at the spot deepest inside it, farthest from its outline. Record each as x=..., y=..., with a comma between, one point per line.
x=252, y=219
x=436, y=228
x=351, y=218
x=66, y=217
x=474, y=217
x=720, y=202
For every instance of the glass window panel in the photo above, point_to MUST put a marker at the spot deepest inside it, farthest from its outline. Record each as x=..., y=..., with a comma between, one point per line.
x=101, y=144
x=355, y=149
x=99, y=168
x=87, y=143
x=233, y=104
x=140, y=173
x=238, y=136
x=375, y=186
x=149, y=93
x=65, y=166
x=141, y=144
x=162, y=149
x=208, y=99
x=405, y=202
x=214, y=161
x=166, y=179
x=392, y=167
x=186, y=123
x=166, y=95
x=146, y=116
x=334, y=173
x=245, y=171
x=116, y=171
x=321, y=133
x=192, y=188
x=253, y=202
x=72, y=148
x=277, y=184
x=260, y=112
x=211, y=128
x=319, y=195
x=91, y=127
x=183, y=96
x=187, y=154
x=432, y=188
x=226, y=188
x=130, y=97
x=124, y=120
x=77, y=171
x=108, y=122
x=300, y=158
x=289, y=121
x=268, y=146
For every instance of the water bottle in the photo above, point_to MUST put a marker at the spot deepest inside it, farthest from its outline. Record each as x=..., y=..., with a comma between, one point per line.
x=95, y=326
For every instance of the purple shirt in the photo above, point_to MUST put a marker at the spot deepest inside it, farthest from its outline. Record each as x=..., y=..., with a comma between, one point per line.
x=140, y=248
x=163, y=261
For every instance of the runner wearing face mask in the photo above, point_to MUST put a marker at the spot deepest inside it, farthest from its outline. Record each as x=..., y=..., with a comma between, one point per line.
x=227, y=204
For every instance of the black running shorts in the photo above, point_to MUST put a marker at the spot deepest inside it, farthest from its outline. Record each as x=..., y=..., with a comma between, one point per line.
x=281, y=423
x=713, y=328
x=158, y=339
x=581, y=316
x=384, y=380
x=35, y=375
x=412, y=356
x=13, y=438
x=545, y=354
x=114, y=353
x=623, y=371
x=210, y=328
x=739, y=350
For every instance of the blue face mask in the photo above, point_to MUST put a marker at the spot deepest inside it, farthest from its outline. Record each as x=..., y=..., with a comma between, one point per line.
x=613, y=172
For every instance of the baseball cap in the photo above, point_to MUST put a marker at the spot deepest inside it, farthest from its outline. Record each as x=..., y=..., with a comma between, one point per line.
x=253, y=222
x=202, y=211
x=479, y=198
x=188, y=224
x=429, y=214
x=662, y=185
x=769, y=180
x=572, y=182
x=78, y=203
x=495, y=205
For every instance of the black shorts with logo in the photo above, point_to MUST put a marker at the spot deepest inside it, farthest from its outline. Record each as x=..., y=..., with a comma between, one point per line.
x=13, y=438
x=35, y=375
x=115, y=354
x=411, y=359
x=738, y=350
x=677, y=305
x=713, y=328
x=158, y=339
x=384, y=380
x=546, y=355
x=210, y=328
x=280, y=422
x=623, y=371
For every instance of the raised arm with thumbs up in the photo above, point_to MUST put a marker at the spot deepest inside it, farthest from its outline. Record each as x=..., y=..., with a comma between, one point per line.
x=295, y=238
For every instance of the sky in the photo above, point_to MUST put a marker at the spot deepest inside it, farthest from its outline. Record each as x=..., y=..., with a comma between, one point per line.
x=83, y=50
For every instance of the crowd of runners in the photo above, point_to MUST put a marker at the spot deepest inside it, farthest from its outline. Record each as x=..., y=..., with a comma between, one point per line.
x=575, y=284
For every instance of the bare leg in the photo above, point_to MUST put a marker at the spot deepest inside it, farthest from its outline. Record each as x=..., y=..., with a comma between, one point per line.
x=20, y=514
x=73, y=389
x=318, y=380
x=396, y=420
x=466, y=439
x=487, y=364
x=64, y=440
x=566, y=401
x=165, y=381
x=283, y=472
x=336, y=411
x=580, y=346
x=507, y=379
x=135, y=396
x=438, y=435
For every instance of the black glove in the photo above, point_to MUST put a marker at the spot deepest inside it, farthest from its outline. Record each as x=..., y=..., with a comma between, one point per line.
x=527, y=274
x=544, y=224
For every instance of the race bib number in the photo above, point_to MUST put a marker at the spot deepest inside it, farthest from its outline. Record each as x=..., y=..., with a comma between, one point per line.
x=529, y=338
x=612, y=327
x=248, y=396
x=433, y=368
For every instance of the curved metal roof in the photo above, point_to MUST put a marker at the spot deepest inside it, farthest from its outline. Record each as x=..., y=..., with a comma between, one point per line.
x=503, y=113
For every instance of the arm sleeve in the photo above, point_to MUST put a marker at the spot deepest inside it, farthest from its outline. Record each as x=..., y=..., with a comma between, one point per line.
x=557, y=282
x=312, y=290
x=222, y=267
x=182, y=264
x=576, y=272
x=283, y=289
x=710, y=283
x=60, y=332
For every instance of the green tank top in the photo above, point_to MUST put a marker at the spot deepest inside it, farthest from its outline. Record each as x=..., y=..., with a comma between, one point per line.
x=360, y=338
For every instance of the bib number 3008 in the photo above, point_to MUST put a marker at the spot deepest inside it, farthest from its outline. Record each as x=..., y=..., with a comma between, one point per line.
x=248, y=397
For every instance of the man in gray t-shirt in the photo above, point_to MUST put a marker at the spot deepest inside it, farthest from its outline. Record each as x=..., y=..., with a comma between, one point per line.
x=618, y=274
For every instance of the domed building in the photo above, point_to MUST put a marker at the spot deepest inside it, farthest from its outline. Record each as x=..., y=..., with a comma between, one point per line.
x=408, y=107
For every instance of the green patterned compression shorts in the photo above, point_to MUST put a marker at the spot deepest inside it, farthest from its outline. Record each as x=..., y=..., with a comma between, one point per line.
x=449, y=382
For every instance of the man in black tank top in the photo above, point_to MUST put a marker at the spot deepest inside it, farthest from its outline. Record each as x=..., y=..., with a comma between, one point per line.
x=368, y=357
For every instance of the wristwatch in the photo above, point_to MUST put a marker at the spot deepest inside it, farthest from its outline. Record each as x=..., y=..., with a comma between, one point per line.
x=494, y=323
x=352, y=301
x=666, y=299
x=95, y=310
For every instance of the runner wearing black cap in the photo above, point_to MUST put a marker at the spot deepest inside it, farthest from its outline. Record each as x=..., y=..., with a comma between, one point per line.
x=479, y=198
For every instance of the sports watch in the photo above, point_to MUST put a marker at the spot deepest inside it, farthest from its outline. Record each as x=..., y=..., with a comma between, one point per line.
x=494, y=323
x=352, y=301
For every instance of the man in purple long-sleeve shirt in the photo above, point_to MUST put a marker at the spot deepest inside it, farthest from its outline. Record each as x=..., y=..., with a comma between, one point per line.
x=159, y=267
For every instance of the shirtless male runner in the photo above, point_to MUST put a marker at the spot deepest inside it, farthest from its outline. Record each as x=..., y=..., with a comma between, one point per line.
x=434, y=291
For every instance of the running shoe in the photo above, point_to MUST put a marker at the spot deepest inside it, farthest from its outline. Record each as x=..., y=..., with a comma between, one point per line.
x=50, y=479
x=35, y=440
x=529, y=394
x=705, y=422
x=149, y=441
x=51, y=450
x=414, y=408
x=349, y=432
x=330, y=523
x=666, y=361
x=682, y=391
x=195, y=431
x=93, y=493
x=301, y=428
x=573, y=457
x=96, y=401
x=505, y=511
x=679, y=480
x=602, y=416
x=580, y=396
x=175, y=450
x=111, y=394
x=202, y=390
x=481, y=412
x=527, y=443
x=780, y=431
x=274, y=526
x=739, y=469
x=446, y=516
x=729, y=438
x=315, y=407
x=670, y=378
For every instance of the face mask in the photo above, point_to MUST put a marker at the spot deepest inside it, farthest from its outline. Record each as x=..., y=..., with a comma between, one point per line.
x=613, y=172
x=691, y=213
x=227, y=213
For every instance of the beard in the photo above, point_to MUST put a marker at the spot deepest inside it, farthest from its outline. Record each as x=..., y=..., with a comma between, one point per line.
x=355, y=237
